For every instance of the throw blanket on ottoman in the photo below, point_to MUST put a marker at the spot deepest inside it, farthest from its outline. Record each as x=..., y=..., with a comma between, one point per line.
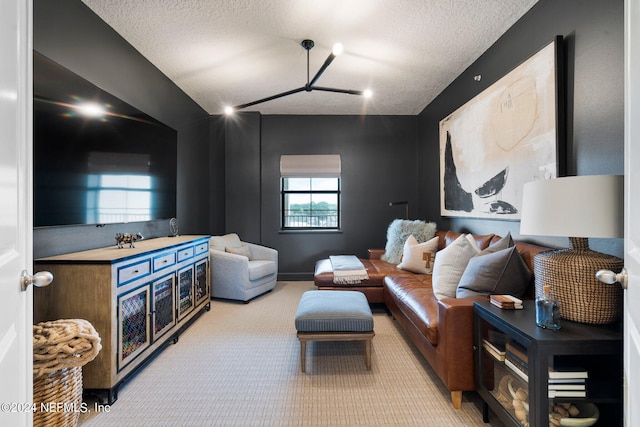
x=347, y=270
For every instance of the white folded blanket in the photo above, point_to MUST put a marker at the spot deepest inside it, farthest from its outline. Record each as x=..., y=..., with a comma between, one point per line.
x=347, y=270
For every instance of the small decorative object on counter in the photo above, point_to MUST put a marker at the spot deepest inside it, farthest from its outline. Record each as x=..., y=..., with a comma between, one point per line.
x=124, y=238
x=547, y=310
x=173, y=227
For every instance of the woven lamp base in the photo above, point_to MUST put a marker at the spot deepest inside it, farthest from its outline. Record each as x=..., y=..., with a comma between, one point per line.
x=572, y=276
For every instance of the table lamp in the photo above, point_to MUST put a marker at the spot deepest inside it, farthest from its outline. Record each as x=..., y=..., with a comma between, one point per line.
x=579, y=207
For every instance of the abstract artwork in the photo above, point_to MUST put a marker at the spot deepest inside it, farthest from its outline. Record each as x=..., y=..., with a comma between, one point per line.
x=504, y=137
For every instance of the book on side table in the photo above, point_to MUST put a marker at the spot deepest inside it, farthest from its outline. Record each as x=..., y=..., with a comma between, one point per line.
x=506, y=302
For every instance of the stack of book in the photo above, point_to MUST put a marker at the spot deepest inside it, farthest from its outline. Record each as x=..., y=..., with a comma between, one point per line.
x=494, y=349
x=506, y=302
x=568, y=383
x=516, y=359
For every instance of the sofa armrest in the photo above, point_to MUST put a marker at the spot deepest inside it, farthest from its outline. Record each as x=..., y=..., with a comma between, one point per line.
x=455, y=316
x=455, y=339
x=262, y=252
x=375, y=253
x=225, y=264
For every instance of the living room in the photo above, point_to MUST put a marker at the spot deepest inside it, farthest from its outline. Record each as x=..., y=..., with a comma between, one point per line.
x=228, y=170
x=402, y=150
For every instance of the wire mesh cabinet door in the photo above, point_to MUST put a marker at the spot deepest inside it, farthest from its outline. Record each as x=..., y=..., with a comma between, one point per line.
x=185, y=291
x=202, y=281
x=133, y=322
x=164, y=305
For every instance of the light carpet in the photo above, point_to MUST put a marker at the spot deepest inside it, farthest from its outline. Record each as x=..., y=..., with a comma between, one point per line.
x=239, y=365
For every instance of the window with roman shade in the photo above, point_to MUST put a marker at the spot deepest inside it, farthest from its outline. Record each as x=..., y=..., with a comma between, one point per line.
x=310, y=192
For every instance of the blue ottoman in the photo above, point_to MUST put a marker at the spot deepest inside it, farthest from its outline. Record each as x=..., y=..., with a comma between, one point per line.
x=334, y=316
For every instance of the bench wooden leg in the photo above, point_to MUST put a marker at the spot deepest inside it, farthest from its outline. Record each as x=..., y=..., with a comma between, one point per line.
x=367, y=353
x=335, y=336
x=456, y=399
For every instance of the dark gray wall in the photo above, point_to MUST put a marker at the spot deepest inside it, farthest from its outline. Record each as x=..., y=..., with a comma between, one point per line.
x=379, y=165
x=593, y=33
x=69, y=33
x=242, y=175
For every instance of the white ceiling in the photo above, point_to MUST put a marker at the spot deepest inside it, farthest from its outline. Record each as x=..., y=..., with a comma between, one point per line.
x=230, y=52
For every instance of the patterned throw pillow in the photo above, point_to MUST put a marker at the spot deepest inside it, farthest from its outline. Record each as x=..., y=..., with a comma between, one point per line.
x=419, y=257
x=399, y=231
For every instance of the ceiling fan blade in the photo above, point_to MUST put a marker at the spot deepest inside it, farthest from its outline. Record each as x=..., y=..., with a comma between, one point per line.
x=269, y=98
x=327, y=62
x=330, y=89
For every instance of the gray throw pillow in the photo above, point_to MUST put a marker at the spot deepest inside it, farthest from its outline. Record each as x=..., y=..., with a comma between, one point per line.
x=501, y=272
x=503, y=243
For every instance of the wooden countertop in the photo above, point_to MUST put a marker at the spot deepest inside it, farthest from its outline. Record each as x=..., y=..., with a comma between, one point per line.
x=113, y=254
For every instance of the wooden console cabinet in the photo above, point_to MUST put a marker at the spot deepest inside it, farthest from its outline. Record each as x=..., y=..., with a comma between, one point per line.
x=137, y=299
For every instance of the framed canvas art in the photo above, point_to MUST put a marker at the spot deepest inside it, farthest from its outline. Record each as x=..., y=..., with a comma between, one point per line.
x=509, y=134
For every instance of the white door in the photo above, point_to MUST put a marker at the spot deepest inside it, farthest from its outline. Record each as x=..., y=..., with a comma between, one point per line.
x=15, y=212
x=632, y=210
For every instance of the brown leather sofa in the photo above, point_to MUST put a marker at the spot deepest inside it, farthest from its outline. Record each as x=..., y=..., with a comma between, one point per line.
x=377, y=270
x=441, y=330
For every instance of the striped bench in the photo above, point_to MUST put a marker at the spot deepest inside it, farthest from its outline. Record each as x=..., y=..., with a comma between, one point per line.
x=334, y=316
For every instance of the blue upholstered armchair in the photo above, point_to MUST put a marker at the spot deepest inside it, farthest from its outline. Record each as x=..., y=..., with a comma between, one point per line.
x=241, y=270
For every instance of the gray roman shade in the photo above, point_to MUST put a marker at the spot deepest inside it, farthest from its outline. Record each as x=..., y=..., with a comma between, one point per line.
x=313, y=166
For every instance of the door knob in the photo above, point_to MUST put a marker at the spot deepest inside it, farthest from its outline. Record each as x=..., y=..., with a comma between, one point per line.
x=40, y=279
x=609, y=277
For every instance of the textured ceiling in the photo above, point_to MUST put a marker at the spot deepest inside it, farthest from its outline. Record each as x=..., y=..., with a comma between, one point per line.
x=230, y=52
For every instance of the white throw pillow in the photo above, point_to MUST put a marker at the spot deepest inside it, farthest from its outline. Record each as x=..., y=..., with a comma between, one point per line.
x=449, y=265
x=419, y=257
x=241, y=249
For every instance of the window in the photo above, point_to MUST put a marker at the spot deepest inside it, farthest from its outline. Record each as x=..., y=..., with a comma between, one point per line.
x=310, y=192
x=310, y=203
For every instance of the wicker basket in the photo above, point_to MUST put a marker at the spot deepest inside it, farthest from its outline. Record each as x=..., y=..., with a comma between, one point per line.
x=60, y=349
x=58, y=398
x=571, y=274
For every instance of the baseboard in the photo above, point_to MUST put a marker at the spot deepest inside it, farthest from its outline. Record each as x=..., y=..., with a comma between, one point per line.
x=292, y=277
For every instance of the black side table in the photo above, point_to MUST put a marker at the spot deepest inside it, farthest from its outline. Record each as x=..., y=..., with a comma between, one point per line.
x=510, y=349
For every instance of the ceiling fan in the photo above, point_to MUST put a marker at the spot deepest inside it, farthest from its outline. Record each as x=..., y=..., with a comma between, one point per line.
x=310, y=86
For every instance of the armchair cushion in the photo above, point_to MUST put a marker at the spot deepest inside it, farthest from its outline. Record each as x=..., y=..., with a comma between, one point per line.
x=259, y=269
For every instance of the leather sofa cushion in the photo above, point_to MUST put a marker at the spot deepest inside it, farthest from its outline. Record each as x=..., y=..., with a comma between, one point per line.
x=414, y=297
x=483, y=241
x=376, y=269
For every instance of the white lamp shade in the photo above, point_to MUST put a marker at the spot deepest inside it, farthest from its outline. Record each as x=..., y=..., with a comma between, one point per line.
x=578, y=206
